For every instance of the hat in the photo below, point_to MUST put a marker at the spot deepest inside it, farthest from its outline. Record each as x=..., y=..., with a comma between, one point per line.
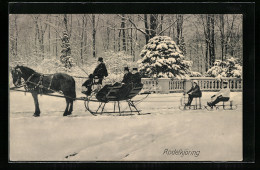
x=195, y=81
x=135, y=69
x=126, y=69
x=100, y=59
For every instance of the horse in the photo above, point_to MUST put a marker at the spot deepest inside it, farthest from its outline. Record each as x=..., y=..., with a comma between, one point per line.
x=38, y=83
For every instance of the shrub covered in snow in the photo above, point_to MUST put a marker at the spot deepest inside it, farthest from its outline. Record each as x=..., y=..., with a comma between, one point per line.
x=195, y=74
x=161, y=57
x=228, y=68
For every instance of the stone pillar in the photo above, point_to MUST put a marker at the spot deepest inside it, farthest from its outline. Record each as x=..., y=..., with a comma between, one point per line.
x=164, y=85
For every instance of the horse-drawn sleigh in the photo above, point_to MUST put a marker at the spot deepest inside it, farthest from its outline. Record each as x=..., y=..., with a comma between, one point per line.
x=64, y=84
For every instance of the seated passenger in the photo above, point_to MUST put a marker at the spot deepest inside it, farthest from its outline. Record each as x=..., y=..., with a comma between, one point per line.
x=136, y=77
x=126, y=79
x=123, y=88
x=222, y=95
x=193, y=92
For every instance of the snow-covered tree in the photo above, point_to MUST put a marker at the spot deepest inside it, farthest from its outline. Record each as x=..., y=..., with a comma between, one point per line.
x=161, y=57
x=65, y=57
x=228, y=68
x=195, y=74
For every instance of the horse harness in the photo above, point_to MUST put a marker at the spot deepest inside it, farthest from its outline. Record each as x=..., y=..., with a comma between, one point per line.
x=39, y=84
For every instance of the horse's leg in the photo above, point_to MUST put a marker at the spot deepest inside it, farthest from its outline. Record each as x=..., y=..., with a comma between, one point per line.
x=71, y=107
x=36, y=103
x=67, y=106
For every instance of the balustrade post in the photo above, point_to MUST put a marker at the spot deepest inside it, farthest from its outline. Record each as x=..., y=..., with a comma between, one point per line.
x=164, y=83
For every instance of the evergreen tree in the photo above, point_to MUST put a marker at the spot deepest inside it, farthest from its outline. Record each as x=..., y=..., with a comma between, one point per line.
x=228, y=68
x=65, y=57
x=161, y=57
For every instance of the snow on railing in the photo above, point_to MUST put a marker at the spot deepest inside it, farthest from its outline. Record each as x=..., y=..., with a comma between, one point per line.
x=167, y=85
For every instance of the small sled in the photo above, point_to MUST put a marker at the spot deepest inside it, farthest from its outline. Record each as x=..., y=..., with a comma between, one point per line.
x=114, y=95
x=226, y=105
x=196, y=106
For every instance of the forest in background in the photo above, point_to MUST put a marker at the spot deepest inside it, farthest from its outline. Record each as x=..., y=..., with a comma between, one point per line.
x=203, y=39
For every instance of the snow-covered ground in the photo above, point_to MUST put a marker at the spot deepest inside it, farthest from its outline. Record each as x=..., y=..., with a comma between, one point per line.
x=162, y=135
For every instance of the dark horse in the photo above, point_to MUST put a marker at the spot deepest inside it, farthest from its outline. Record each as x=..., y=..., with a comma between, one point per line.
x=37, y=83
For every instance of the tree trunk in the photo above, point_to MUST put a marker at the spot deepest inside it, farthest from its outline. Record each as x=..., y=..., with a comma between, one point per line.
x=16, y=35
x=207, y=42
x=222, y=35
x=82, y=39
x=153, y=24
x=212, y=40
x=49, y=36
x=161, y=25
x=147, y=35
x=179, y=27
x=94, y=35
x=65, y=19
x=123, y=32
x=119, y=39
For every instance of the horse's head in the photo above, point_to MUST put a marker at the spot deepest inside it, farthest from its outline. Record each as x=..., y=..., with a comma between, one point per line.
x=17, y=75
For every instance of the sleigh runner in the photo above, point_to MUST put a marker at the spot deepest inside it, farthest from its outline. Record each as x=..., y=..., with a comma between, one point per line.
x=115, y=96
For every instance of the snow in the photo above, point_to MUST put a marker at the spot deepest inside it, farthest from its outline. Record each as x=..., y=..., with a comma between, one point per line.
x=52, y=137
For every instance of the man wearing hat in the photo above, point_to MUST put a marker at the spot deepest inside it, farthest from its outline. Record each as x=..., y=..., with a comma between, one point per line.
x=193, y=92
x=100, y=71
x=222, y=95
x=127, y=76
x=136, y=77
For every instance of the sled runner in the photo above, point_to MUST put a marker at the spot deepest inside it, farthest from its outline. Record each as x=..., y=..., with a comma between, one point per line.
x=225, y=105
x=114, y=95
x=196, y=106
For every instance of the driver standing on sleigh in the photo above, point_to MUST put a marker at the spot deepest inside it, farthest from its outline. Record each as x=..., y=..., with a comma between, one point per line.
x=100, y=71
x=222, y=95
x=193, y=92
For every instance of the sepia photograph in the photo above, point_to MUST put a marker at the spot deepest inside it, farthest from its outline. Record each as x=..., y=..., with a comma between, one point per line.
x=125, y=87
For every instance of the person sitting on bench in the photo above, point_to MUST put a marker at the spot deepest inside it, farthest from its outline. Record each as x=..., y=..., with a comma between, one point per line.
x=222, y=95
x=193, y=92
x=123, y=87
x=136, y=78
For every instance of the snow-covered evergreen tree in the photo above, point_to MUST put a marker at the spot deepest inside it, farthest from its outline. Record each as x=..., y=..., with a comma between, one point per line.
x=161, y=57
x=228, y=68
x=65, y=57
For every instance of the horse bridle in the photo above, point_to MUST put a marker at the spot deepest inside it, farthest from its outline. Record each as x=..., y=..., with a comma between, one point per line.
x=18, y=72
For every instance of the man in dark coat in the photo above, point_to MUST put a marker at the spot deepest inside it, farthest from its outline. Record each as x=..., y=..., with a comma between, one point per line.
x=100, y=71
x=127, y=76
x=86, y=86
x=124, y=87
x=193, y=92
x=136, y=77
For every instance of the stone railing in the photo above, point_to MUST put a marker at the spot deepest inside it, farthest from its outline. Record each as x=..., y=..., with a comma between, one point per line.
x=166, y=85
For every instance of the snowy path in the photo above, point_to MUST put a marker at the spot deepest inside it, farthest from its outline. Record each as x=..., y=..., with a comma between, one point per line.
x=217, y=135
